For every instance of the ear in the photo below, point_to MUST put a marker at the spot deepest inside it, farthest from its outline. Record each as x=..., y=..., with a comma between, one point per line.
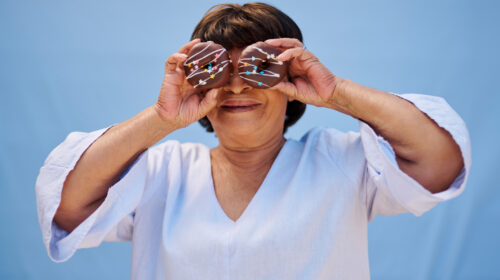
x=290, y=99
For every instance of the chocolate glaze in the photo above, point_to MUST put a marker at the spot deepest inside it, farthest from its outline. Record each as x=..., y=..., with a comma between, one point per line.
x=258, y=66
x=207, y=66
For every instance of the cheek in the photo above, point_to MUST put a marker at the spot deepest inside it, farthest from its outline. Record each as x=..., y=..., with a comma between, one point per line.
x=279, y=103
x=212, y=115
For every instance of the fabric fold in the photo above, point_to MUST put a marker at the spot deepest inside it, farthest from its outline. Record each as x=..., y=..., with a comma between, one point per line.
x=385, y=182
x=111, y=221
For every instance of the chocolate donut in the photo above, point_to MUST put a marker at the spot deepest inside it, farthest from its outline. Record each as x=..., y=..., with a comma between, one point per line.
x=258, y=66
x=207, y=66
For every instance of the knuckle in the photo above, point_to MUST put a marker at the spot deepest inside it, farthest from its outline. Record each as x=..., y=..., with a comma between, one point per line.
x=310, y=55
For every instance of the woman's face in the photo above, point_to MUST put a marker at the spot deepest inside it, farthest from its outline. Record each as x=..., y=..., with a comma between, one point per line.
x=244, y=111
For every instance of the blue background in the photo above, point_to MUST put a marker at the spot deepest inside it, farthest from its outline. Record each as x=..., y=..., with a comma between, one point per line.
x=83, y=65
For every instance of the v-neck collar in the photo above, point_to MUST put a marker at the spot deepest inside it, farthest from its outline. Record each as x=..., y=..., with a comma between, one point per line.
x=256, y=197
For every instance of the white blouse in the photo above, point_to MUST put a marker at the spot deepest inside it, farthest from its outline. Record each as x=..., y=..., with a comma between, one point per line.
x=308, y=219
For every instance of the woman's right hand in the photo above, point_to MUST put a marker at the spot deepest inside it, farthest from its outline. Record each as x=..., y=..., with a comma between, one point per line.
x=179, y=103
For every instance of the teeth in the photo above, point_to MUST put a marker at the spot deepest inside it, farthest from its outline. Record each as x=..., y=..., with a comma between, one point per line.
x=240, y=106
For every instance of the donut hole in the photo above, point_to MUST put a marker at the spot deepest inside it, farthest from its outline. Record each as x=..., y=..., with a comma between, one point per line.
x=207, y=66
x=264, y=65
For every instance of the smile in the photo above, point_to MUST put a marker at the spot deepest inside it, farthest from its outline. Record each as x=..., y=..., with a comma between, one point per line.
x=238, y=106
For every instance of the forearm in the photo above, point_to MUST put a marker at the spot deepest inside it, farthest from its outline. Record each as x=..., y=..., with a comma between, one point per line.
x=423, y=150
x=101, y=165
x=392, y=117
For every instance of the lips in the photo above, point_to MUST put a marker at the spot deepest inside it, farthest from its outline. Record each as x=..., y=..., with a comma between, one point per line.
x=235, y=105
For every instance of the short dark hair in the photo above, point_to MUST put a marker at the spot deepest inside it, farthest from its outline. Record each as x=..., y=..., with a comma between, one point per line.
x=237, y=26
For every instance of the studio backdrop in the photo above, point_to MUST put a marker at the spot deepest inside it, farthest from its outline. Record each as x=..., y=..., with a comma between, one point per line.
x=83, y=65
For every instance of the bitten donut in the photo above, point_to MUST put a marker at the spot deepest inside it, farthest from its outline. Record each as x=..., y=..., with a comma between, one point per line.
x=258, y=66
x=207, y=66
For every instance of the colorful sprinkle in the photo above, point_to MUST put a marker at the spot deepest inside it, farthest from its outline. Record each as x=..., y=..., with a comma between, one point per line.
x=255, y=68
x=253, y=58
x=246, y=63
x=262, y=72
x=212, y=76
x=248, y=73
x=189, y=65
x=195, y=62
x=215, y=67
x=259, y=83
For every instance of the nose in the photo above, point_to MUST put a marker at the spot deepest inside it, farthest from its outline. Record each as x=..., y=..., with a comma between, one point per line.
x=236, y=84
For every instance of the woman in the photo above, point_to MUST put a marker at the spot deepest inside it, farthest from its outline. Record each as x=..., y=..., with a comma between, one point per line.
x=258, y=206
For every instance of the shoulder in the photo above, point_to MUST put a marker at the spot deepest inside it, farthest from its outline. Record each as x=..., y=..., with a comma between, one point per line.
x=332, y=141
x=343, y=149
x=168, y=159
x=176, y=152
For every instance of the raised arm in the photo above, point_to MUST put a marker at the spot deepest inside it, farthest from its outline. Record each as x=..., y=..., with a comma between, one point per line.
x=102, y=164
x=424, y=151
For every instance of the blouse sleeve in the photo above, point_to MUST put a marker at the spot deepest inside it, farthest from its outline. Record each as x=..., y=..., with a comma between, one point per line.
x=389, y=190
x=111, y=221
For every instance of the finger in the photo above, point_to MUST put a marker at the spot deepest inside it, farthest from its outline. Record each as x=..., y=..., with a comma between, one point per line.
x=185, y=49
x=208, y=102
x=291, y=53
x=286, y=87
x=174, y=61
x=285, y=43
x=301, y=83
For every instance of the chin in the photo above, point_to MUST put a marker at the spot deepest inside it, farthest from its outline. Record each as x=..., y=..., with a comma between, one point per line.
x=242, y=128
x=247, y=126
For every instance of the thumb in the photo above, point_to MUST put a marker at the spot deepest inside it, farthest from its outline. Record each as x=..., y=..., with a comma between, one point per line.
x=208, y=102
x=287, y=88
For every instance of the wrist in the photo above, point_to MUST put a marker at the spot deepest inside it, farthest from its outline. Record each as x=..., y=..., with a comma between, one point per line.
x=360, y=102
x=159, y=120
x=340, y=97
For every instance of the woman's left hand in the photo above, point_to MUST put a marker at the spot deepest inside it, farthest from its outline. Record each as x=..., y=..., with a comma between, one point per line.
x=312, y=82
